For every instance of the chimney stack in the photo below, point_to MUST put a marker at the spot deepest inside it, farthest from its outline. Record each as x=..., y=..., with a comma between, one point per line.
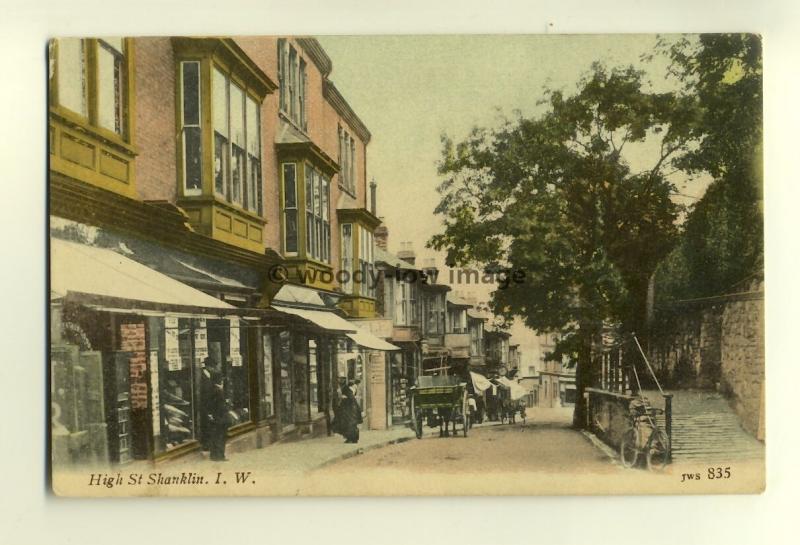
x=381, y=236
x=373, y=197
x=406, y=253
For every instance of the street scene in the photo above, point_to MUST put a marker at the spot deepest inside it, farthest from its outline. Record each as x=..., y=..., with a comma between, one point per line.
x=487, y=265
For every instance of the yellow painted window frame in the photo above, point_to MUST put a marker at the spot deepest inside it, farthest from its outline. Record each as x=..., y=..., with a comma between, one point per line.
x=208, y=62
x=90, y=122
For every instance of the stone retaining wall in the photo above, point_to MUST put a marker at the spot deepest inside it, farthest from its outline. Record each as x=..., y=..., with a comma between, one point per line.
x=717, y=343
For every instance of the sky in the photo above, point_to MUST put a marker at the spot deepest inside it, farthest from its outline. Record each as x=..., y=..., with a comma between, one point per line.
x=409, y=90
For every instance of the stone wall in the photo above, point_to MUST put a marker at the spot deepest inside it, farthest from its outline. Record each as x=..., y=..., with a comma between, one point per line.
x=742, y=356
x=716, y=343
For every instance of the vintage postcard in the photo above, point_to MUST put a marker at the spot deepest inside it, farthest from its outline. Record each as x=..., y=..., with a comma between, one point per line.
x=406, y=265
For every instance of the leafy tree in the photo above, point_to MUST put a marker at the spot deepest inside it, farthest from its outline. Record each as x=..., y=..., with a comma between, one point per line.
x=555, y=196
x=722, y=245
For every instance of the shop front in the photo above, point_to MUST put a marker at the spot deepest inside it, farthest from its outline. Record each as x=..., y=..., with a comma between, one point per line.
x=129, y=348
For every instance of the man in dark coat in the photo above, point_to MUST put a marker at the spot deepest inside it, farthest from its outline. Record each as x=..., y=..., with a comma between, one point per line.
x=348, y=416
x=218, y=425
x=206, y=385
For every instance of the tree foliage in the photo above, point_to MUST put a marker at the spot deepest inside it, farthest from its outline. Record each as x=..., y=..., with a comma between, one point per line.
x=722, y=245
x=555, y=196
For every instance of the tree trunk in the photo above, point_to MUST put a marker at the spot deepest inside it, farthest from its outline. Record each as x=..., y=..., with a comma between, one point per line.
x=583, y=378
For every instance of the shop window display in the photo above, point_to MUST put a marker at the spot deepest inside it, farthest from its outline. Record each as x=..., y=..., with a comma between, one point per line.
x=175, y=379
x=285, y=372
x=301, y=377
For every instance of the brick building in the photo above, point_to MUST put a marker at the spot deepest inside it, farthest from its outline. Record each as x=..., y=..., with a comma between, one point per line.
x=209, y=205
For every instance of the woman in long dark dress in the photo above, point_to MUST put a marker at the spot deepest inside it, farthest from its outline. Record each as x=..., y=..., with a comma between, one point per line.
x=348, y=416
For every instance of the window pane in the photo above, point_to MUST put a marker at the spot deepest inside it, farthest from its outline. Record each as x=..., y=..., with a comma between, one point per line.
x=254, y=173
x=192, y=153
x=309, y=189
x=302, y=94
x=220, y=163
x=292, y=83
x=237, y=115
x=291, y=231
x=219, y=105
x=237, y=173
x=326, y=187
x=109, y=89
x=310, y=246
x=71, y=75
x=219, y=102
x=315, y=182
x=347, y=255
x=282, y=73
x=191, y=93
x=327, y=243
x=253, y=136
x=289, y=186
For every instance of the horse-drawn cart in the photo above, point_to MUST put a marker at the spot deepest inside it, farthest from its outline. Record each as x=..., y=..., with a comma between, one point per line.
x=439, y=401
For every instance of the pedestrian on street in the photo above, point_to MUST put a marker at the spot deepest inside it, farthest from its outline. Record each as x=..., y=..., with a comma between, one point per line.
x=206, y=386
x=348, y=415
x=473, y=409
x=217, y=417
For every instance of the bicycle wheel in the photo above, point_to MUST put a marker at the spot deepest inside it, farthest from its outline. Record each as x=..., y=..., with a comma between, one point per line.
x=629, y=448
x=657, y=450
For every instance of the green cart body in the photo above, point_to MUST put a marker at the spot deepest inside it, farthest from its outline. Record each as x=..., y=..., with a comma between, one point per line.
x=436, y=398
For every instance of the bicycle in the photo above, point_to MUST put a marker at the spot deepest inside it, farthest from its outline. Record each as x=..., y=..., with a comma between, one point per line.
x=644, y=436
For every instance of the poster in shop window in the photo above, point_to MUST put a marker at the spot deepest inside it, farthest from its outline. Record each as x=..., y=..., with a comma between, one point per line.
x=574, y=222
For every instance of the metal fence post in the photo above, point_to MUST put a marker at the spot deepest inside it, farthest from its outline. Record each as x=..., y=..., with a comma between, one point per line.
x=668, y=423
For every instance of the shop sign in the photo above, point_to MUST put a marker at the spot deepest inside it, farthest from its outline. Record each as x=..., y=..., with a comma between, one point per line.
x=132, y=339
x=171, y=344
x=236, y=356
x=200, y=340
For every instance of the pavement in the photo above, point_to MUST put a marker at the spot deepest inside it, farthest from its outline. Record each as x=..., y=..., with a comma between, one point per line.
x=304, y=455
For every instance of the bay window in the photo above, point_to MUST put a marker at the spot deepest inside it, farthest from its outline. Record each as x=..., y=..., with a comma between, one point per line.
x=91, y=80
x=218, y=117
x=235, y=120
x=311, y=206
x=91, y=106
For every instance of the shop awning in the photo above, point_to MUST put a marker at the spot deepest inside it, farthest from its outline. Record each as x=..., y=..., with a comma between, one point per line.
x=325, y=319
x=480, y=382
x=516, y=390
x=104, y=277
x=368, y=340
